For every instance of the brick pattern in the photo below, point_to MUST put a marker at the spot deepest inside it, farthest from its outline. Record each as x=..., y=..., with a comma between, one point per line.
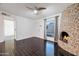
x=70, y=24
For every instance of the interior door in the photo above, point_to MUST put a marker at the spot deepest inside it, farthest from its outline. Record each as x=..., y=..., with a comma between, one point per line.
x=9, y=35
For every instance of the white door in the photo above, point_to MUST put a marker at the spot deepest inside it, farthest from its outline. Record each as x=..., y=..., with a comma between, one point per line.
x=9, y=35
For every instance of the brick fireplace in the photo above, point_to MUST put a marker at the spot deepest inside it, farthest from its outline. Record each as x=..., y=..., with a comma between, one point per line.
x=70, y=25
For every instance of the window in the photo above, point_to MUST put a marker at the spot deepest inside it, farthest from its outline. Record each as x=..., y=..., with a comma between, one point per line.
x=50, y=27
x=8, y=27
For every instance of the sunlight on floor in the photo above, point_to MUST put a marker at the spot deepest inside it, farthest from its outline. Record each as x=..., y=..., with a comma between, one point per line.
x=49, y=49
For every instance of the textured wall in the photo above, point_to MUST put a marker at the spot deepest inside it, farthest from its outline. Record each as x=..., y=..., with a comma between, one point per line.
x=70, y=24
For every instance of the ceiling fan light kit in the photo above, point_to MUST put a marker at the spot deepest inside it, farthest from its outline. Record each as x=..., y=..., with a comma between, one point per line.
x=35, y=11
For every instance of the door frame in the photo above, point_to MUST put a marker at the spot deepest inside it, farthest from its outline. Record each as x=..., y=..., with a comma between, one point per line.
x=56, y=28
x=11, y=51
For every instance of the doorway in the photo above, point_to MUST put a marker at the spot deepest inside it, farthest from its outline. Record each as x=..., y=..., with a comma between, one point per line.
x=51, y=35
x=9, y=34
x=51, y=29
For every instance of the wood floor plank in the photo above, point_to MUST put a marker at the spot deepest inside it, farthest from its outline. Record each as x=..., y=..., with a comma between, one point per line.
x=28, y=47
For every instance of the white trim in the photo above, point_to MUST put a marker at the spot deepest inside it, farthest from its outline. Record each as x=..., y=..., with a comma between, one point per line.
x=52, y=16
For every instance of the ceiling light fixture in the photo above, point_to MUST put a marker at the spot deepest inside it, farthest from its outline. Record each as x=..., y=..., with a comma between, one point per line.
x=35, y=11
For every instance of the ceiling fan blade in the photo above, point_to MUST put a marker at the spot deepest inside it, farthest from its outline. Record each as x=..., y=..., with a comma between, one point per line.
x=41, y=8
x=29, y=8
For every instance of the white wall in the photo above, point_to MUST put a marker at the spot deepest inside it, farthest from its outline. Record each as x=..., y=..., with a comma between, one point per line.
x=39, y=30
x=25, y=28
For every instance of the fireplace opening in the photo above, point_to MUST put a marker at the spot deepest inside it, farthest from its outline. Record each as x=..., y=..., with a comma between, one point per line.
x=64, y=36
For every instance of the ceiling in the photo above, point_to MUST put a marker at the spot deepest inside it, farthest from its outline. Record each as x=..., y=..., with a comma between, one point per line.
x=21, y=10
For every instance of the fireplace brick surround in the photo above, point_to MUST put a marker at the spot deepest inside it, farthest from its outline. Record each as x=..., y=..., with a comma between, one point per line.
x=70, y=24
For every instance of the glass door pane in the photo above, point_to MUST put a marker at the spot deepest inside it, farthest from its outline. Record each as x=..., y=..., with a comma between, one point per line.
x=50, y=29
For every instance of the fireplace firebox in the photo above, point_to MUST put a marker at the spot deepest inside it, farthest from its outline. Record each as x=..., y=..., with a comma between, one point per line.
x=64, y=36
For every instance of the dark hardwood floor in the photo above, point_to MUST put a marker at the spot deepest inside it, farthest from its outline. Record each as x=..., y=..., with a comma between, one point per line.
x=2, y=48
x=32, y=47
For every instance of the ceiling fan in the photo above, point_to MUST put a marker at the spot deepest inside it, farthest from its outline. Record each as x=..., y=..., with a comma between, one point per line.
x=36, y=9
